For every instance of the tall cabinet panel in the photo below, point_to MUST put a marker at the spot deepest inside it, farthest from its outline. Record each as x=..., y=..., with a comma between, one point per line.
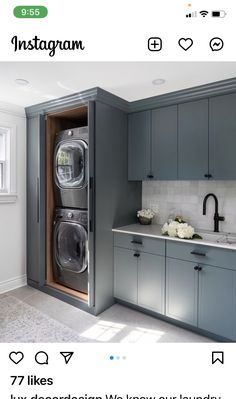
x=193, y=140
x=222, y=136
x=35, y=198
x=164, y=143
x=116, y=199
x=139, y=127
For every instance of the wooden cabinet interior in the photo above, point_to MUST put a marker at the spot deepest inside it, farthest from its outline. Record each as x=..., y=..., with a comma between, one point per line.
x=56, y=122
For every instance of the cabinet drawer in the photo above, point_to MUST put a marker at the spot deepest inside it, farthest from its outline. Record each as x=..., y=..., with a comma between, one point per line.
x=202, y=254
x=140, y=243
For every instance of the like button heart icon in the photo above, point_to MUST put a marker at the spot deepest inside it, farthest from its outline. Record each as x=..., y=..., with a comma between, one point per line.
x=185, y=43
x=16, y=357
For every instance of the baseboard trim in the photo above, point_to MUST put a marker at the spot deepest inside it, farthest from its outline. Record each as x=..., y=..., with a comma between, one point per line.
x=13, y=283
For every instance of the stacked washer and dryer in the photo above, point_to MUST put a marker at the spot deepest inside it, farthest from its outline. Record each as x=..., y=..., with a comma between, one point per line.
x=70, y=266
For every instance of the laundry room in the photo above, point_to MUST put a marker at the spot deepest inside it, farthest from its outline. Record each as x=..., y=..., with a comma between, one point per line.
x=117, y=193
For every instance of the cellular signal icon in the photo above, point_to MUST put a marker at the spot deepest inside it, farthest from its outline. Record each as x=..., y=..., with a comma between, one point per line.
x=203, y=13
x=191, y=14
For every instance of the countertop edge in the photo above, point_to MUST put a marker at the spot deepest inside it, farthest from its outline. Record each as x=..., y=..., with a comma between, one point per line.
x=180, y=240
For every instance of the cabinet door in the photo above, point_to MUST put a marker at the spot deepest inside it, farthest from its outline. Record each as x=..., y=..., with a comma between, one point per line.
x=164, y=143
x=222, y=136
x=151, y=282
x=35, y=199
x=139, y=145
x=181, y=291
x=193, y=140
x=217, y=312
x=126, y=275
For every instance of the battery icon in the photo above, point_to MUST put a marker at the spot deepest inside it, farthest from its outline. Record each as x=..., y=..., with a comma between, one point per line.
x=218, y=14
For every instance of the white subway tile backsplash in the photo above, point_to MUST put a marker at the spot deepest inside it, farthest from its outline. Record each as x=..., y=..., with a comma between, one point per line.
x=186, y=198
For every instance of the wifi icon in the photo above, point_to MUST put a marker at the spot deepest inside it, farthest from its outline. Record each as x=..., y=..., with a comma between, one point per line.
x=203, y=13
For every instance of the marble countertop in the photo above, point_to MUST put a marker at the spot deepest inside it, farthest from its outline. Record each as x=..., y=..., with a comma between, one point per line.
x=219, y=240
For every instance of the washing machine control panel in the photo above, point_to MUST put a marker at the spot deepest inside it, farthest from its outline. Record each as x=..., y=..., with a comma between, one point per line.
x=74, y=215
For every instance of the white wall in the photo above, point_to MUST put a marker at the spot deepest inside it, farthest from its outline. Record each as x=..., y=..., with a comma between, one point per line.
x=186, y=198
x=13, y=215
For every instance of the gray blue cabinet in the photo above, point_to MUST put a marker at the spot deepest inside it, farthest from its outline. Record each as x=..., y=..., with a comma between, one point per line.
x=153, y=144
x=217, y=306
x=151, y=282
x=109, y=190
x=222, y=137
x=181, y=291
x=125, y=275
x=170, y=278
x=139, y=145
x=202, y=294
x=164, y=143
x=35, y=199
x=193, y=140
x=139, y=277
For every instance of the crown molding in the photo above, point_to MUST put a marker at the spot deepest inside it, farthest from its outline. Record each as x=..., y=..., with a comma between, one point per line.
x=194, y=93
x=97, y=94
x=74, y=100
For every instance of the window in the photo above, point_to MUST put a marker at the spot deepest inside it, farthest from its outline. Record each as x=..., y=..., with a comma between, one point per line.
x=7, y=163
x=3, y=156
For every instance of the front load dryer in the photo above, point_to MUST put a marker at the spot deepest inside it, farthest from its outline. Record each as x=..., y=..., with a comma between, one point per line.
x=71, y=168
x=70, y=266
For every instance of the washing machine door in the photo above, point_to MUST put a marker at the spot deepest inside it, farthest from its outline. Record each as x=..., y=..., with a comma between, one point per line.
x=71, y=247
x=71, y=164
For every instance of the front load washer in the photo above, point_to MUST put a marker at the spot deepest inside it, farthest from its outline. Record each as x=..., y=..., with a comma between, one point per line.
x=70, y=266
x=71, y=168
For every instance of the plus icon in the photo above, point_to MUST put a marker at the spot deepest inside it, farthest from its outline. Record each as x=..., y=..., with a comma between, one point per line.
x=154, y=44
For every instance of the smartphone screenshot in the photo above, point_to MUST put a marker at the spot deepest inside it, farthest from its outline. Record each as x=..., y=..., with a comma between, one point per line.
x=117, y=199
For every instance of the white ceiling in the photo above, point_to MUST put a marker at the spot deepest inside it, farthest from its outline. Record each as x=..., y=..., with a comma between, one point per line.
x=129, y=80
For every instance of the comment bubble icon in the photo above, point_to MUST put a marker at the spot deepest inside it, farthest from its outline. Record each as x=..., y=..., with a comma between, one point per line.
x=41, y=358
x=216, y=44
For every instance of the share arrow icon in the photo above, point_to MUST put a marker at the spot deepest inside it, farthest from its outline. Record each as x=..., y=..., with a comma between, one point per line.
x=67, y=356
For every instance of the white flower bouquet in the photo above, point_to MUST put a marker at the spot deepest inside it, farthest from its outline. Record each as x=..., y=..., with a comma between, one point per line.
x=145, y=216
x=179, y=228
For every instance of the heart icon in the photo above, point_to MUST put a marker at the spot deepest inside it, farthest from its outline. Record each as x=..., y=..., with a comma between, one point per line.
x=185, y=43
x=16, y=357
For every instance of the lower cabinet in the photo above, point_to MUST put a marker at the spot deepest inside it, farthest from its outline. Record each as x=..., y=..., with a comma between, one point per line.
x=202, y=296
x=217, y=305
x=181, y=291
x=140, y=278
x=126, y=275
x=151, y=282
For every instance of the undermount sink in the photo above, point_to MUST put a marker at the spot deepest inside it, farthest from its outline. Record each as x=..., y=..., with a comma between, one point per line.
x=218, y=238
x=227, y=239
x=213, y=237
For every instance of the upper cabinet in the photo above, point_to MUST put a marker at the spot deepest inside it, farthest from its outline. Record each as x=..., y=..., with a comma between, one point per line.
x=193, y=140
x=164, y=143
x=222, y=137
x=139, y=160
x=153, y=144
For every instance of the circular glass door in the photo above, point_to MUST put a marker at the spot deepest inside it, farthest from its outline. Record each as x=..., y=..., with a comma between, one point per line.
x=71, y=245
x=70, y=164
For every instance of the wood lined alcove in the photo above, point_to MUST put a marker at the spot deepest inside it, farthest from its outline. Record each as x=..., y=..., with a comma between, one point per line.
x=69, y=119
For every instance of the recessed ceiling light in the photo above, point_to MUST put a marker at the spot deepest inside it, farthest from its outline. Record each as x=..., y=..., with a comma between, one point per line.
x=158, y=82
x=22, y=82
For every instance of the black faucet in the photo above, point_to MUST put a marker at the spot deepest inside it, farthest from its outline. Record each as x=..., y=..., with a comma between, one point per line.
x=217, y=218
